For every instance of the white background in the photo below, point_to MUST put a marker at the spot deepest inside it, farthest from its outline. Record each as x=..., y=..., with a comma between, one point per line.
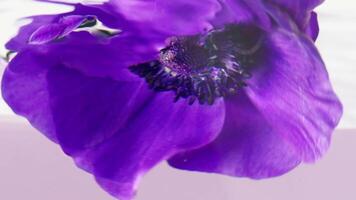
x=337, y=43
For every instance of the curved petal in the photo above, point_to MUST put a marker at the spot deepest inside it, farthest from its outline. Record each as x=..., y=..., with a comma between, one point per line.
x=260, y=12
x=27, y=74
x=23, y=77
x=157, y=20
x=25, y=32
x=300, y=11
x=66, y=22
x=298, y=8
x=294, y=93
x=160, y=129
x=101, y=57
x=115, y=128
x=247, y=146
x=46, y=34
x=242, y=11
x=313, y=27
x=181, y=17
x=288, y=115
x=65, y=25
x=152, y=23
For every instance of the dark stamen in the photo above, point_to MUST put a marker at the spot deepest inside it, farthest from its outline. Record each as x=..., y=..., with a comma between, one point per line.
x=204, y=68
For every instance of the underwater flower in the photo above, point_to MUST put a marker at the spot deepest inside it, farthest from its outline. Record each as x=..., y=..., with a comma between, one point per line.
x=234, y=87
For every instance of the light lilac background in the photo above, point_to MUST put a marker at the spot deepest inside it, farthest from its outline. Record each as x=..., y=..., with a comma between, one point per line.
x=32, y=168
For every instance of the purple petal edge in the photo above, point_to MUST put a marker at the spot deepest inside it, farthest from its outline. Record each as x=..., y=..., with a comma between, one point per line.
x=287, y=116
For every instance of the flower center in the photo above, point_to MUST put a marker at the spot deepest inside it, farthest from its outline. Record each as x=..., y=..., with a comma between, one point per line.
x=204, y=67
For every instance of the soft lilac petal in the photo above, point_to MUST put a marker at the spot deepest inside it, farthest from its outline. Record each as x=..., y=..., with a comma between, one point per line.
x=287, y=116
x=247, y=146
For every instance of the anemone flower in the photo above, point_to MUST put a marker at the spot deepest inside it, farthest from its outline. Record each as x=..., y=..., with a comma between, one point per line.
x=234, y=87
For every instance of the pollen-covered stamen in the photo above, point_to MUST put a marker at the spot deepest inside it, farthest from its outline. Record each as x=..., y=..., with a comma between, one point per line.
x=203, y=68
x=183, y=56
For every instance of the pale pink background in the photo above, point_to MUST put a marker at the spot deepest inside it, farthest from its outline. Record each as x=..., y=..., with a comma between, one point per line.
x=33, y=168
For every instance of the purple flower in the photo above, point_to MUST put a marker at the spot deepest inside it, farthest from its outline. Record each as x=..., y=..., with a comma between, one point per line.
x=234, y=87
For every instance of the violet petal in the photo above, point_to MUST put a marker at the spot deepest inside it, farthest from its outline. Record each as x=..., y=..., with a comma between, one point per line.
x=181, y=17
x=159, y=130
x=115, y=128
x=247, y=146
x=63, y=27
x=313, y=28
x=294, y=93
x=46, y=34
x=242, y=11
x=288, y=115
x=299, y=10
x=106, y=16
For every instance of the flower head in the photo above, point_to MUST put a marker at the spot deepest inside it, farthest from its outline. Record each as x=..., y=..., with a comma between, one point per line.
x=233, y=87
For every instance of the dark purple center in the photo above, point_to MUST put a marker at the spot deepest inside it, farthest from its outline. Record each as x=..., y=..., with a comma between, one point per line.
x=205, y=67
